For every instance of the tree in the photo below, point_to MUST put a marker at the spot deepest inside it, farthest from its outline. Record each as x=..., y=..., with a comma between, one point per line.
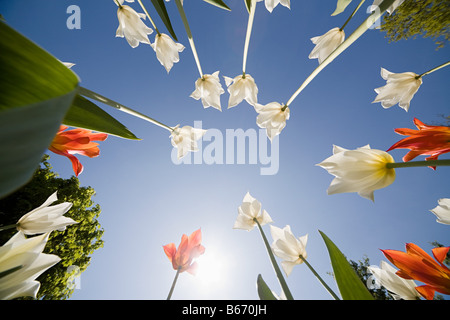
x=429, y=18
x=360, y=267
x=73, y=245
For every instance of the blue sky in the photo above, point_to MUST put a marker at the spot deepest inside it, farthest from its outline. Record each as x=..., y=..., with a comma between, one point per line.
x=148, y=201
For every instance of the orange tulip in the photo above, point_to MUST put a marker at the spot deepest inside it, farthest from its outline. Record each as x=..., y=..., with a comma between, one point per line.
x=416, y=264
x=189, y=249
x=428, y=140
x=76, y=141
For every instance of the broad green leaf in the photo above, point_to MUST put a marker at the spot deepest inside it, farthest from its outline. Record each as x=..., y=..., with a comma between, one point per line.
x=218, y=3
x=264, y=291
x=349, y=284
x=340, y=7
x=86, y=114
x=36, y=90
x=160, y=7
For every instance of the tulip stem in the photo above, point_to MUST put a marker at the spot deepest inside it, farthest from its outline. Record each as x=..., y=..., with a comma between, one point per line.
x=434, y=69
x=249, y=32
x=319, y=278
x=173, y=283
x=280, y=277
x=189, y=34
x=149, y=18
x=425, y=163
x=343, y=46
x=7, y=227
x=351, y=16
x=90, y=94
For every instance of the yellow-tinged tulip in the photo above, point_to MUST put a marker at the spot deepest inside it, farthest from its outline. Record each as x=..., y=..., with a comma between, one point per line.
x=362, y=170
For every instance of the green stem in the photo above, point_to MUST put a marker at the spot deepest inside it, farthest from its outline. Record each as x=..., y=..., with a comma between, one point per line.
x=173, y=283
x=280, y=277
x=434, y=69
x=90, y=94
x=343, y=46
x=118, y=3
x=425, y=163
x=248, y=34
x=189, y=34
x=7, y=227
x=319, y=278
x=149, y=18
x=351, y=16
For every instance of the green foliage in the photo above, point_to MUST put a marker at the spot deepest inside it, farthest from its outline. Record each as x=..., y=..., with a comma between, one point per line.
x=73, y=245
x=428, y=18
x=360, y=268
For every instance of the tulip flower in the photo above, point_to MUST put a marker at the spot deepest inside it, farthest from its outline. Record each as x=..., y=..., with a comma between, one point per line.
x=326, y=44
x=273, y=117
x=398, y=287
x=427, y=140
x=167, y=50
x=249, y=212
x=416, y=264
x=46, y=218
x=185, y=139
x=209, y=89
x=240, y=88
x=189, y=249
x=21, y=262
x=287, y=247
x=76, y=141
x=131, y=26
x=400, y=88
x=442, y=211
x=362, y=170
x=271, y=4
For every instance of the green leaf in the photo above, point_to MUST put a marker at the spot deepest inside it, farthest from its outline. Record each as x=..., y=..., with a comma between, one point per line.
x=350, y=286
x=162, y=12
x=340, y=7
x=264, y=291
x=248, y=4
x=36, y=90
x=86, y=114
x=218, y=3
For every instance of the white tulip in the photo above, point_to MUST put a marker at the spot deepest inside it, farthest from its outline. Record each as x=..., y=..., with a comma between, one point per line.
x=21, y=262
x=399, y=288
x=209, y=89
x=240, y=88
x=326, y=44
x=287, y=247
x=185, y=139
x=442, y=211
x=167, y=50
x=272, y=117
x=400, y=88
x=271, y=4
x=46, y=218
x=248, y=212
x=362, y=170
x=131, y=26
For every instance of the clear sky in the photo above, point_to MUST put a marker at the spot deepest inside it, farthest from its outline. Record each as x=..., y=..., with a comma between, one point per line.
x=148, y=201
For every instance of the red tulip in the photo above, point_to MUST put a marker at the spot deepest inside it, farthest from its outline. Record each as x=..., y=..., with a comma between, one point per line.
x=428, y=140
x=416, y=264
x=76, y=141
x=189, y=249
